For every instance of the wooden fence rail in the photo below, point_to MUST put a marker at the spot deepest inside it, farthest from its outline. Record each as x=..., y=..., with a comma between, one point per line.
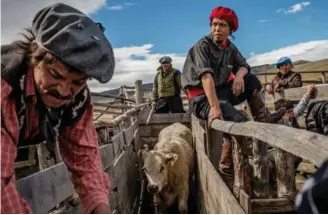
x=323, y=77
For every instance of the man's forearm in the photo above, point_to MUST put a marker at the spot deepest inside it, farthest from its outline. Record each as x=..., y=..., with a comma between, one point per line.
x=242, y=71
x=209, y=88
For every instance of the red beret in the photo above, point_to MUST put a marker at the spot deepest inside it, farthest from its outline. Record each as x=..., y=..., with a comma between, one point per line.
x=226, y=14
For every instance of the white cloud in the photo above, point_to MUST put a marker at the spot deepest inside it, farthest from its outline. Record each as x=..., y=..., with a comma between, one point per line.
x=128, y=68
x=295, y=8
x=115, y=7
x=18, y=14
x=120, y=7
x=312, y=50
x=262, y=20
x=128, y=4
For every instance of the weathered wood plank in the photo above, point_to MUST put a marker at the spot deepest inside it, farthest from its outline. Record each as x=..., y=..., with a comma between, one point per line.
x=262, y=206
x=245, y=201
x=215, y=146
x=242, y=169
x=154, y=129
x=107, y=155
x=217, y=196
x=118, y=143
x=285, y=168
x=197, y=130
x=45, y=189
x=164, y=118
x=308, y=145
x=296, y=94
x=128, y=135
x=260, y=169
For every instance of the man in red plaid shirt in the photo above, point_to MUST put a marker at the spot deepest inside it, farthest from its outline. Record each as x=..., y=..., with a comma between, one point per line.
x=44, y=96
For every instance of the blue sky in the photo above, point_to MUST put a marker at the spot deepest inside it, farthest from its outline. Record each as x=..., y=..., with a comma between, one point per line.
x=173, y=26
x=141, y=31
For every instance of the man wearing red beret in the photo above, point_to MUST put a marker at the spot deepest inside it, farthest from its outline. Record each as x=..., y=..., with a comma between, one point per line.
x=218, y=77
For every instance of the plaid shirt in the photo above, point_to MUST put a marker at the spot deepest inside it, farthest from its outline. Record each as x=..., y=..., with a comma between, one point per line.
x=78, y=146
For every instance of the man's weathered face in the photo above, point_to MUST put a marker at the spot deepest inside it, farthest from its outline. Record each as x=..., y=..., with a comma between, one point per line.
x=220, y=30
x=166, y=65
x=285, y=68
x=56, y=83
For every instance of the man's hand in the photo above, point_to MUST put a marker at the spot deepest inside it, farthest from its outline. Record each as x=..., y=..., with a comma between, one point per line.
x=310, y=89
x=238, y=85
x=153, y=104
x=277, y=88
x=215, y=113
x=102, y=209
x=269, y=88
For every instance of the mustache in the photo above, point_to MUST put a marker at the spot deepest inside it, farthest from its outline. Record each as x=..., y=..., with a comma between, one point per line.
x=57, y=95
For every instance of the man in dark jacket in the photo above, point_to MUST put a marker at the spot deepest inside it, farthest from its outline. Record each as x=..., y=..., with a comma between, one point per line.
x=285, y=78
x=45, y=97
x=167, y=87
x=218, y=77
x=317, y=117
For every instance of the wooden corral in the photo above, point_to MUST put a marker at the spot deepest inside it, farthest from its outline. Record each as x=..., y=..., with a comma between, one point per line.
x=121, y=137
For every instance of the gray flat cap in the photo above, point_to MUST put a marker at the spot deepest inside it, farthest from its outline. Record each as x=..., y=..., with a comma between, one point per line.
x=74, y=38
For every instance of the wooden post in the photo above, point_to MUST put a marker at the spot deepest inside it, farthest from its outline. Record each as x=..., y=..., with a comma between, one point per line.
x=323, y=77
x=122, y=95
x=261, y=169
x=138, y=92
x=285, y=167
x=242, y=169
x=214, y=146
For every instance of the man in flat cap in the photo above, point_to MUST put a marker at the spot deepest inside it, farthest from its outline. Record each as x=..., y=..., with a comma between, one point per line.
x=167, y=87
x=45, y=97
x=218, y=77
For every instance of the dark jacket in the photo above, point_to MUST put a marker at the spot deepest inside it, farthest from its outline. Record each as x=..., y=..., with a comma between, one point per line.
x=290, y=80
x=317, y=117
x=206, y=56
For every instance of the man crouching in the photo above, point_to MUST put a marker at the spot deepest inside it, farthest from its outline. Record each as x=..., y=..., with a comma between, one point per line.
x=169, y=167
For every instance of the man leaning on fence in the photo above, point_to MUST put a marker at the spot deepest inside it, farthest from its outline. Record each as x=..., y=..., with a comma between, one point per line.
x=285, y=78
x=44, y=96
x=167, y=87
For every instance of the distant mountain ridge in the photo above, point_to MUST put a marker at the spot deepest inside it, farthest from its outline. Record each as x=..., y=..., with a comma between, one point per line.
x=300, y=65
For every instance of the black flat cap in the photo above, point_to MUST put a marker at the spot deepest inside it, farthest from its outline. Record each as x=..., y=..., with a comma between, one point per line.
x=74, y=38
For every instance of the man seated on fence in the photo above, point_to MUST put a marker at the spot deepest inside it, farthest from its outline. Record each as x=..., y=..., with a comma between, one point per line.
x=218, y=77
x=285, y=78
x=167, y=87
x=44, y=96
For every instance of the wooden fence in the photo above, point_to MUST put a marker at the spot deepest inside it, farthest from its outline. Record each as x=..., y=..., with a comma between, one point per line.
x=250, y=190
x=322, y=80
x=119, y=142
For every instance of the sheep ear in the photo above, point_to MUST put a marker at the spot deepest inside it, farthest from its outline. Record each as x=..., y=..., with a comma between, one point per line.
x=171, y=158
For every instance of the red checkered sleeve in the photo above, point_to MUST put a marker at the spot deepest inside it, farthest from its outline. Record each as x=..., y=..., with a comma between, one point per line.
x=11, y=200
x=80, y=151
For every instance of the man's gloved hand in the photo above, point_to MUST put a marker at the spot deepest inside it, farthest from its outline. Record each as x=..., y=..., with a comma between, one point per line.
x=153, y=104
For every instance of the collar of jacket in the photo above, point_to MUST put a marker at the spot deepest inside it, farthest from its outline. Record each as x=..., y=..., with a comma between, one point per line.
x=160, y=69
x=280, y=75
